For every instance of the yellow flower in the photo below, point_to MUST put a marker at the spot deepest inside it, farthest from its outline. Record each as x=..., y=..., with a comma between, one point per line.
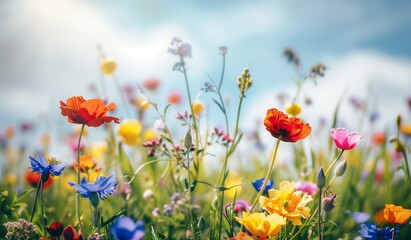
x=261, y=225
x=10, y=179
x=149, y=134
x=98, y=150
x=406, y=129
x=142, y=103
x=396, y=214
x=198, y=107
x=287, y=203
x=293, y=109
x=108, y=66
x=129, y=132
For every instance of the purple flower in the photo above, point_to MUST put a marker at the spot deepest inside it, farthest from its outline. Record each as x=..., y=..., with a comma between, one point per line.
x=329, y=202
x=308, y=187
x=360, y=217
x=238, y=207
x=257, y=184
x=124, y=228
x=101, y=188
x=371, y=231
x=344, y=139
x=45, y=168
x=180, y=48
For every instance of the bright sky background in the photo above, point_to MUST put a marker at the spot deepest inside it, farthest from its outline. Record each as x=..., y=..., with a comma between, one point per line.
x=48, y=52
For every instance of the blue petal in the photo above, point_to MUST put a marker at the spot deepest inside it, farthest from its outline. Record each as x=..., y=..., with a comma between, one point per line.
x=257, y=184
x=57, y=169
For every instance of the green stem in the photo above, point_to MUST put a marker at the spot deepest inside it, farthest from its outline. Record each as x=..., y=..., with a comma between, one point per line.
x=78, y=175
x=407, y=171
x=97, y=219
x=193, y=229
x=320, y=232
x=42, y=204
x=393, y=232
x=35, y=200
x=270, y=169
x=333, y=163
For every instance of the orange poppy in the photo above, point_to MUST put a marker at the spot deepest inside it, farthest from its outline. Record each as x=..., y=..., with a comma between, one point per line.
x=33, y=178
x=86, y=163
x=89, y=112
x=290, y=129
x=396, y=214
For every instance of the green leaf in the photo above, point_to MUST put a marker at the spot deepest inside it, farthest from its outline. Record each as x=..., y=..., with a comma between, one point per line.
x=219, y=105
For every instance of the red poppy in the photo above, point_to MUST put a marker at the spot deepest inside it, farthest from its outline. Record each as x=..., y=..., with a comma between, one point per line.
x=33, y=178
x=89, y=112
x=70, y=233
x=290, y=129
x=174, y=98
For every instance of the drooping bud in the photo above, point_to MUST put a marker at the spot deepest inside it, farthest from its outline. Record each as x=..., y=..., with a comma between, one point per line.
x=244, y=81
x=321, y=179
x=340, y=169
x=329, y=202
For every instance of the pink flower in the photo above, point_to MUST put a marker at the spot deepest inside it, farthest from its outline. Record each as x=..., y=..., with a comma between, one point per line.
x=308, y=187
x=344, y=139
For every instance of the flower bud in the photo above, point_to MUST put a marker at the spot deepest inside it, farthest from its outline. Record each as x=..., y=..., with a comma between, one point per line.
x=340, y=169
x=329, y=202
x=398, y=146
x=188, y=140
x=399, y=120
x=148, y=194
x=244, y=81
x=320, y=179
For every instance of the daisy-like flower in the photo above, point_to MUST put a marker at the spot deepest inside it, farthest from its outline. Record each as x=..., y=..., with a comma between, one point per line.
x=287, y=203
x=261, y=225
x=100, y=189
x=290, y=129
x=344, y=139
x=92, y=112
x=46, y=167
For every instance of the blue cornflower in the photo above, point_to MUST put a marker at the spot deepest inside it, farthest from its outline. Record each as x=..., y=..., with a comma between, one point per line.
x=257, y=184
x=371, y=231
x=46, y=167
x=125, y=228
x=98, y=190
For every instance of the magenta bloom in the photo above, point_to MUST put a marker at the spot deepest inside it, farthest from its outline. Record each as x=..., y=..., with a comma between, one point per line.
x=307, y=187
x=344, y=139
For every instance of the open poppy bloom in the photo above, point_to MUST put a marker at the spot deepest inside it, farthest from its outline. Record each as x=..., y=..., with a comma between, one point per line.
x=90, y=112
x=396, y=214
x=344, y=139
x=290, y=129
x=261, y=225
x=33, y=178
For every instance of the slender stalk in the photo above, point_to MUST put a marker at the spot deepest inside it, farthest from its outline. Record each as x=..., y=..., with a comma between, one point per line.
x=270, y=169
x=320, y=232
x=407, y=170
x=42, y=204
x=97, y=219
x=78, y=175
x=35, y=200
x=333, y=163
x=393, y=232
x=189, y=194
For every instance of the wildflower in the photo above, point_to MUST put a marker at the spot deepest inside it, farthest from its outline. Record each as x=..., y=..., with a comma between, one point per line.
x=307, y=187
x=99, y=149
x=329, y=202
x=129, y=132
x=360, y=217
x=371, y=231
x=90, y=112
x=159, y=125
x=293, y=109
x=46, y=168
x=292, y=56
x=261, y=225
x=55, y=229
x=258, y=183
x=20, y=229
x=243, y=236
x=238, y=207
x=86, y=163
x=149, y=134
x=69, y=233
x=142, y=103
x=125, y=228
x=317, y=70
x=198, y=107
x=10, y=179
x=147, y=194
x=396, y=214
x=344, y=139
x=357, y=103
x=108, y=66
x=378, y=138
x=174, y=98
x=223, y=50
x=180, y=48
x=151, y=84
x=33, y=178
x=100, y=189
x=9, y=132
x=96, y=236
x=287, y=203
x=244, y=81
x=208, y=87
x=320, y=179
x=290, y=129
x=373, y=116
x=405, y=129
